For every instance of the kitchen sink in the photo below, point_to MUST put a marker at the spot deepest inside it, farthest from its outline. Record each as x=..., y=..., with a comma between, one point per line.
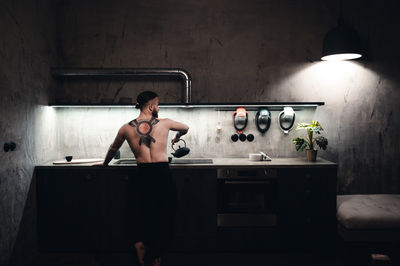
x=192, y=161
x=131, y=161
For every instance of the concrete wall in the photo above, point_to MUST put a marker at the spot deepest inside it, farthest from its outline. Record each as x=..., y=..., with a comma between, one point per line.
x=253, y=51
x=88, y=132
x=27, y=50
x=235, y=51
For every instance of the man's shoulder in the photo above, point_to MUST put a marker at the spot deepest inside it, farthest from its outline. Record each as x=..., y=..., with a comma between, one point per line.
x=127, y=126
x=164, y=120
x=132, y=123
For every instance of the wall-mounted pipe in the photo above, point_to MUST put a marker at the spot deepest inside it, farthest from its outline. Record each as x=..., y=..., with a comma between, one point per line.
x=129, y=72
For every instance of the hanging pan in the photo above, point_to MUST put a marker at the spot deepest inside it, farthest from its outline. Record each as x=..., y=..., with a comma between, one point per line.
x=240, y=118
x=263, y=120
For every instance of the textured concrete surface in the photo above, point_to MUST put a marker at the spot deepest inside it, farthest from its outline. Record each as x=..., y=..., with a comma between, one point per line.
x=88, y=132
x=235, y=51
x=252, y=51
x=27, y=50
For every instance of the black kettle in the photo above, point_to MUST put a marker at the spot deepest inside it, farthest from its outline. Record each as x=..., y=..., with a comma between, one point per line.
x=181, y=151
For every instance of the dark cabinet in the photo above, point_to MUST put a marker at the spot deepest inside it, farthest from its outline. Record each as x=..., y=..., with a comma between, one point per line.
x=195, y=227
x=82, y=209
x=69, y=210
x=87, y=209
x=307, y=207
x=116, y=211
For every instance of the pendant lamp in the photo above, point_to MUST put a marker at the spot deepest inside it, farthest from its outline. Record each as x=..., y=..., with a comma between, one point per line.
x=341, y=43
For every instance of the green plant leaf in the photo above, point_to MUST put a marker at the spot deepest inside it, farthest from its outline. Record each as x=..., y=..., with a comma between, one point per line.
x=315, y=130
x=303, y=126
x=300, y=143
x=313, y=127
x=316, y=124
x=322, y=142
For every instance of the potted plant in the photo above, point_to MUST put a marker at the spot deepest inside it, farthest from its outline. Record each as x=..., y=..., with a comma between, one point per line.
x=310, y=142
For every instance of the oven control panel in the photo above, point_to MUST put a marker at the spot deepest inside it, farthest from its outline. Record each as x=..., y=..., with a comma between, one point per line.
x=246, y=173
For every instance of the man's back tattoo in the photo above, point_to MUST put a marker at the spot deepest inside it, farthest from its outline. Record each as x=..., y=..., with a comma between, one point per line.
x=144, y=129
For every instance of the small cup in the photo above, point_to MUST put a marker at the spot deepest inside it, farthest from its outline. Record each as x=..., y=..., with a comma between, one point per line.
x=68, y=158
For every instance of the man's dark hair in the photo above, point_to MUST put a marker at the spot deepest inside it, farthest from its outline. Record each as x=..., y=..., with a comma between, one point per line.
x=143, y=98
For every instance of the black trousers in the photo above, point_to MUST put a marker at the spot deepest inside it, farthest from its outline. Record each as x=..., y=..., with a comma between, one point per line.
x=152, y=207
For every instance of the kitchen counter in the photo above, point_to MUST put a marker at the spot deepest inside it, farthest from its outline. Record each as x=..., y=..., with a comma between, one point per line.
x=84, y=207
x=299, y=162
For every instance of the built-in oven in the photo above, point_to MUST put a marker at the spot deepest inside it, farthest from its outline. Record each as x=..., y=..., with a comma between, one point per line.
x=247, y=197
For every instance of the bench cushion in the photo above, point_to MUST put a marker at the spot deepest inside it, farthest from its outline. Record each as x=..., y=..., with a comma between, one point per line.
x=365, y=212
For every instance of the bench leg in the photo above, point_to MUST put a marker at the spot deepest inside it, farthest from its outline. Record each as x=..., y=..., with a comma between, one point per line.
x=380, y=260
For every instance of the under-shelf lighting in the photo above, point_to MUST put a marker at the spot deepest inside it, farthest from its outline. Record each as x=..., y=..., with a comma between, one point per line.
x=217, y=106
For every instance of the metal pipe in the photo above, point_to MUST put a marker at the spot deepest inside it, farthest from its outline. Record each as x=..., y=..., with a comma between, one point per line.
x=128, y=72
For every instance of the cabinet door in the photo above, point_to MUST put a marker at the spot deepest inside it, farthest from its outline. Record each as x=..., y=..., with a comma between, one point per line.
x=116, y=217
x=69, y=208
x=196, y=213
x=291, y=216
x=306, y=209
x=320, y=207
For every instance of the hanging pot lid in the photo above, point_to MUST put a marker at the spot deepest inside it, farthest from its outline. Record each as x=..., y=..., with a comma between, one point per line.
x=263, y=120
x=240, y=117
x=286, y=119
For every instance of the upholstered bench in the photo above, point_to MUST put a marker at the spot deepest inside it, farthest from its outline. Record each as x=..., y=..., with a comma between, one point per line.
x=371, y=218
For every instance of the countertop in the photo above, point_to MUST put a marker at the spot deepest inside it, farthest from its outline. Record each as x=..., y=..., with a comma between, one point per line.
x=299, y=162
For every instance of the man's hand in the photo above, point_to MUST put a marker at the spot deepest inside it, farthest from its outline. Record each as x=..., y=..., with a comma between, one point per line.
x=174, y=140
x=178, y=135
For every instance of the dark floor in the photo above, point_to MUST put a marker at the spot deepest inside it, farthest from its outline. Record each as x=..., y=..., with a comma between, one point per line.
x=342, y=258
x=342, y=254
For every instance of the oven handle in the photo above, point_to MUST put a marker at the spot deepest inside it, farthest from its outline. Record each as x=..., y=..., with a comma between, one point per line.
x=247, y=182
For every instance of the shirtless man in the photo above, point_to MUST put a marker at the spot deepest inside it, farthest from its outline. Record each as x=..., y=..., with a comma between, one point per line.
x=152, y=191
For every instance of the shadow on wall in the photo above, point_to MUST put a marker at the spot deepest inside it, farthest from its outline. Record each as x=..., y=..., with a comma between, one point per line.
x=361, y=119
x=25, y=247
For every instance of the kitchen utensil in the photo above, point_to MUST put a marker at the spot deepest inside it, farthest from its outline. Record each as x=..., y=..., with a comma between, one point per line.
x=68, y=158
x=265, y=157
x=263, y=120
x=255, y=157
x=250, y=137
x=235, y=137
x=286, y=119
x=77, y=161
x=240, y=117
x=181, y=151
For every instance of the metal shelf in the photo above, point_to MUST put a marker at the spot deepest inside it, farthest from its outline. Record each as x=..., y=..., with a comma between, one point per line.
x=217, y=106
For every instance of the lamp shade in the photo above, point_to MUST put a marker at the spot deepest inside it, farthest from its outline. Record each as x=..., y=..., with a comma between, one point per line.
x=341, y=43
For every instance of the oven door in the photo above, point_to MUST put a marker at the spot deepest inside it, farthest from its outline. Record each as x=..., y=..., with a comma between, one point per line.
x=247, y=202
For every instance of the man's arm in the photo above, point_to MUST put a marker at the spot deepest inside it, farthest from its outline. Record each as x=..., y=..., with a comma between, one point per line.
x=119, y=139
x=180, y=127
